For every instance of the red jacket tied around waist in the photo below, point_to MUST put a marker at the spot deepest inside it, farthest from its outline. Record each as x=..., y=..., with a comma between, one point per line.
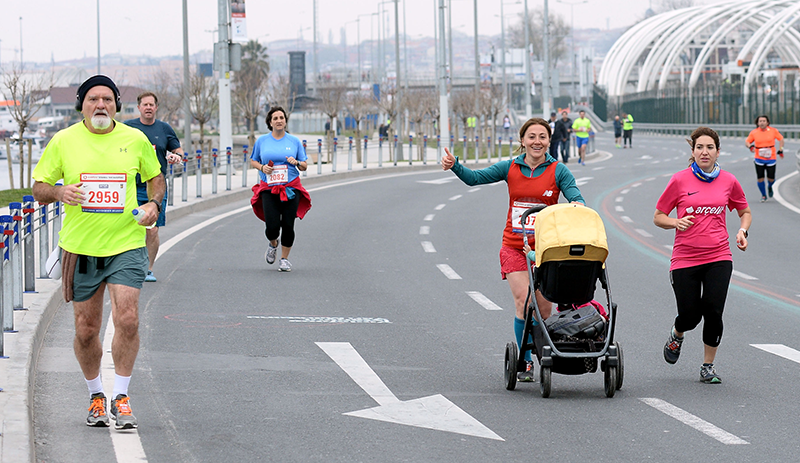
x=302, y=208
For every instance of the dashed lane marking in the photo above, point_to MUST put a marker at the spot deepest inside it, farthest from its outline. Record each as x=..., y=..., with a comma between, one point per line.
x=428, y=246
x=424, y=230
x=780, y=350
x=473, y=190
x=744, y=275
x=453, y=198
x=448, y=272
x=626, y=219
x=619, y=208
x=643, y=233
x=483, y=300
x=428, y=217
x=327, y=320
x=693, y=421
x=440, y=207
x=619, y=199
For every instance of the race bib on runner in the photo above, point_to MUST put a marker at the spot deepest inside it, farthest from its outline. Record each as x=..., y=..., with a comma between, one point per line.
x=279, y=176
x=765, y=153
x=517, y=209
x=104, y=193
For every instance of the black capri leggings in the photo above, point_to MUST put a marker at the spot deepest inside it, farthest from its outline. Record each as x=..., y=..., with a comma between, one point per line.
x=769, y=170
x=279, y=217
x=700, y=293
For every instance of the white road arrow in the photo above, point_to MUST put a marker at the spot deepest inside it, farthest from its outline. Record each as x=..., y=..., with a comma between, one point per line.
x=434, y=412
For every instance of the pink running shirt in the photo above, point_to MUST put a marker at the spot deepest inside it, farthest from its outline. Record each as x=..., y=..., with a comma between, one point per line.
x=707, y=240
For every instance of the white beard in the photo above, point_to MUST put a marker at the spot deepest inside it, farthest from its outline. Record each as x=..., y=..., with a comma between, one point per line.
x=101, y=121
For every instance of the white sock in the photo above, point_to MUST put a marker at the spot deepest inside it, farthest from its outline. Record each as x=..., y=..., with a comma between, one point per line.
x=95, y=385
x=121, y=385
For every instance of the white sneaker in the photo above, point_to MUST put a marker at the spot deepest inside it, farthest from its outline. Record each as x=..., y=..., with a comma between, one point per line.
x=286, y=266
x=270, y=255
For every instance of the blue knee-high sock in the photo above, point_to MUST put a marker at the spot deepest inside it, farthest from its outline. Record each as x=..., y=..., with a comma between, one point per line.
x=762, y=188
x=519, y=328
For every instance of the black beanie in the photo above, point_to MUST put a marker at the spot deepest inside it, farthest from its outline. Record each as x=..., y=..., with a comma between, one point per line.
x=94, y=81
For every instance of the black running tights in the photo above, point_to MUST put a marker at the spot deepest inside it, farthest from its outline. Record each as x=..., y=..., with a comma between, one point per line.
x=279, y=217
x=700, y=293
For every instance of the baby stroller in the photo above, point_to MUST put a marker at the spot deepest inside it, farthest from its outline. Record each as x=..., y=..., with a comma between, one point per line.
x=570, y=250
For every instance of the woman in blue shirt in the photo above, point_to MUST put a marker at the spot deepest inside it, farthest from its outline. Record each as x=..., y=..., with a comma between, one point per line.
x=279, y=157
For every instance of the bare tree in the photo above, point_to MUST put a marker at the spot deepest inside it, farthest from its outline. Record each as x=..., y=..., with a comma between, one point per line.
x=203, y=100
x=559, y=33
x=281, y=93
x=28, y=92
x=169, y=100
x=359, y=104
x=418, y=102
x=492, y=104
x=331, y=102
x=387, y=106
x=250, y=85
x=463, y=107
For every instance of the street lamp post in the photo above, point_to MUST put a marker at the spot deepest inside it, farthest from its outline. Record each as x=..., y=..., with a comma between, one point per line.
x=527, y=57
x=572, y=39
x=503, y=40
x=398, y=88
x=546, y=70
x=444, y=125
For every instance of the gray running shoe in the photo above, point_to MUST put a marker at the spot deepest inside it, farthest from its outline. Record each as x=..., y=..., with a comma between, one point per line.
x=709, y=375
x=97, y=411
x=527, y=376
x=270, y=255
x=286, y=266
x=121, y=412
x=672, y=349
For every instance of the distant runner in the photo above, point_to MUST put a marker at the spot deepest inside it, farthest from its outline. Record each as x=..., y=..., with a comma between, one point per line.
x=761, y=142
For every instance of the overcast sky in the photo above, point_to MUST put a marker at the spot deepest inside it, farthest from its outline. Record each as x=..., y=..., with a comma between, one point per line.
x=67, y=29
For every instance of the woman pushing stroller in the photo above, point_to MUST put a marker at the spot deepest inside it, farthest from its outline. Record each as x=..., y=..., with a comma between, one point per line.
x=533, y=177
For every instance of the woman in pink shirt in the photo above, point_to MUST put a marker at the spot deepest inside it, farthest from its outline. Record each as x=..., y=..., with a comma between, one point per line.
x=702, y=263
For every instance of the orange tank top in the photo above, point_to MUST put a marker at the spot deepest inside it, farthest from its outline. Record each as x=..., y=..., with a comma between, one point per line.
x=524, y=193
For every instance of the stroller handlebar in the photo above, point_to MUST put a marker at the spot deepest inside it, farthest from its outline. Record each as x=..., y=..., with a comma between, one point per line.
x=532, y=210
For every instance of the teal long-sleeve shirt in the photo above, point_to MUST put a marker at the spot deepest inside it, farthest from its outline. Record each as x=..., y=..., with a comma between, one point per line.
x=499, y=172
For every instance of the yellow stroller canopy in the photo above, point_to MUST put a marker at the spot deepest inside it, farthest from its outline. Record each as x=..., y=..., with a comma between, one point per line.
x=569, y=232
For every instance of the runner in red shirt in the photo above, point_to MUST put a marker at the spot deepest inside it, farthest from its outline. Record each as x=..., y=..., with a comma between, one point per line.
x=761, y=142
x=702, y=263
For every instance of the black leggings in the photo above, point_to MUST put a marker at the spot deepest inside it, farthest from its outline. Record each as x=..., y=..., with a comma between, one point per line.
x=769, y=170
x=627, y=137
x=279, y=217
x=700, y=293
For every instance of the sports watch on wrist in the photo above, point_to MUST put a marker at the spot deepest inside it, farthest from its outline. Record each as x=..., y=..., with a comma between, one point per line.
x=158, y=206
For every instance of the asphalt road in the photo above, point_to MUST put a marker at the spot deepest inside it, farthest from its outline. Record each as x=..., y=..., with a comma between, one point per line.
x=242, y=363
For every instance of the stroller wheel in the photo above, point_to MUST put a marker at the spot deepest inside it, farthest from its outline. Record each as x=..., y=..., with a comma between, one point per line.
x=621, y=367
x=510, y=373
x=544, y=381
x=610, y=381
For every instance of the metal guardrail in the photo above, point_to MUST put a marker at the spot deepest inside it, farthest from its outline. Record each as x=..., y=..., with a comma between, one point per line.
x=17, y=271
x=724, y=130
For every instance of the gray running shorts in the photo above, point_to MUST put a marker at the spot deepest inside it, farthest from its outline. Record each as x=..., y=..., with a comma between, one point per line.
x=128, y=268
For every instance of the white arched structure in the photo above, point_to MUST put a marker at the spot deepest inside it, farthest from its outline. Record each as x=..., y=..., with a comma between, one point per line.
x=685, y=40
